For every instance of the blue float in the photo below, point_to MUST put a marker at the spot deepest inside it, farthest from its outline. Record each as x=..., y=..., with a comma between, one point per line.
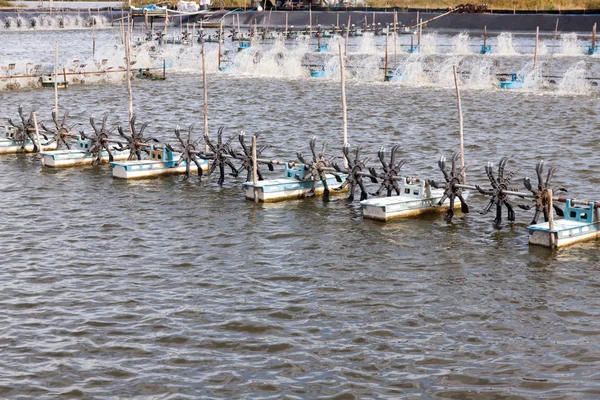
x=579, y=224
x=515, y=82
x=486, y=49
x=243, y=44
x=413, y=49
x=318, y=73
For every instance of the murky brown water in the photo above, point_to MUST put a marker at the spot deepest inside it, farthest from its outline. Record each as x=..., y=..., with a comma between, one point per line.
x=182, y=289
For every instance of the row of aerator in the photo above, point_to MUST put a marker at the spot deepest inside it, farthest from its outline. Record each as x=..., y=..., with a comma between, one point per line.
x=135, y=156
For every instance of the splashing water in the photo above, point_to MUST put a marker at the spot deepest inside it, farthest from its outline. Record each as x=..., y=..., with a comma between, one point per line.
x=367, y=44
x=460, y=44
x=505, y=44
x=412, y=71
x=441, y=73
x=532, y=77
x=479, y=74
x=429, y=43
x=569, y=44
x=47, y=22
x=334, y=43
x=574, y=81
x=277, y=60
x=542, y=48
x=367, y=68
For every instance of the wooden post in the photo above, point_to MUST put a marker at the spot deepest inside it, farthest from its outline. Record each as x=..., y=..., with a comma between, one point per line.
x=122, y=30
x=551, y=219
x=395, y=39
x=309, y=21
x=460, y=121
x=347, y=36
x=554, y=41
x=535, y=50
x=286, y=24
x=385, y=68
x=419, y=37
x=484, y=37
x=594, y=38
x=344, y=110
x=205, y=90
x=56, y=81
x=418, y=20
x=37, y=131
x=318, y=34
x=337, y=21
x=164, y=67
x=254, y=169
x=219, y=55
x=220, y=45
x=128, y=61
x=93, y=40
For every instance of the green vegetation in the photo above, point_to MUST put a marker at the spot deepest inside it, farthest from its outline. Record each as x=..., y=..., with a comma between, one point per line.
x=5, y=3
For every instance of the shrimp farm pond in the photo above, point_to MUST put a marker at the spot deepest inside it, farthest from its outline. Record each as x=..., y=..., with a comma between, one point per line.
x=200, y=283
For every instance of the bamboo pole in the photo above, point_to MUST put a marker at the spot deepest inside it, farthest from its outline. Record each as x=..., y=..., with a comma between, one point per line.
x=254, y=169
x=128, y=61
x=56, y=81
x=122, y=31
x=309, y=21
x=395, y=39
x=344, y=110
x=551, y=218
x=385, y=69
x=205, y=91
x=535, y=50
x=37, y=131
x=484, y=38
x=93, y=41
x=347, y=36
x=418, y=19
x=220, y=45
x=419, y=37
x=460, y=121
